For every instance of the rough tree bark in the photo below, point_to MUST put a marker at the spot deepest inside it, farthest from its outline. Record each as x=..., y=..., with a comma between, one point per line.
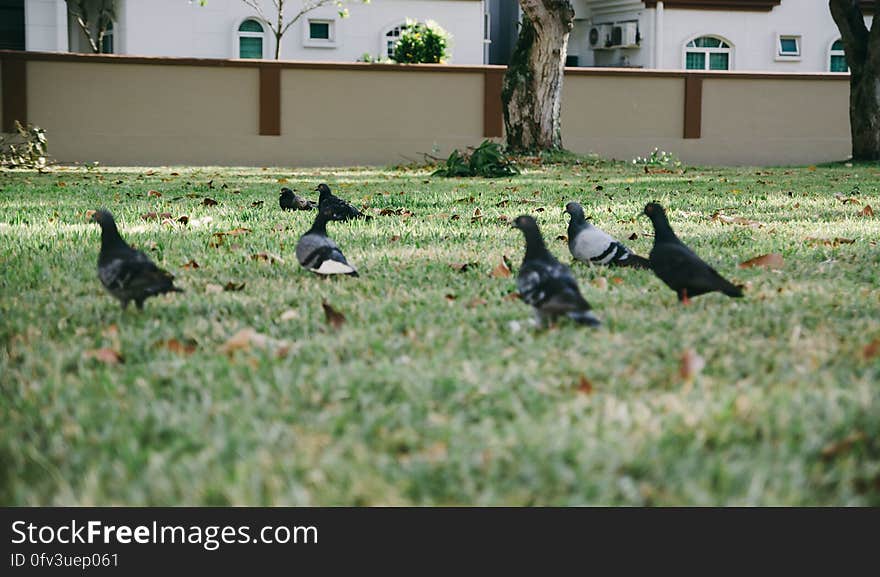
x=862, y=48
x=532, y=91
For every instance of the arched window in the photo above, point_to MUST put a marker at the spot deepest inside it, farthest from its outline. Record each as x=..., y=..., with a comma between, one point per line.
x=251, y=36
x=837, y=58
x=707, y=53
x=390, y=39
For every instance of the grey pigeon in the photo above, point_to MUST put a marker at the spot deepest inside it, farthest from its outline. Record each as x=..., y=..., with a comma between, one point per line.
x=592, y=245
x=678, y=266
x=126, y=273
x=289, y=200
x=547, y=284
x=339, y=208
x=318, y=253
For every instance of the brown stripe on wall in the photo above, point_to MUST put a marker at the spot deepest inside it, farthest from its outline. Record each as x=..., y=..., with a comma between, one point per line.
x=14, y=81
x=493, y=116
x=270, y=101
x=693, y=106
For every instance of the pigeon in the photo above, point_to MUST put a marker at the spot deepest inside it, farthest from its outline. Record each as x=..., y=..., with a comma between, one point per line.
x=592, y=245
x=126, y=273
x=339, y=209
x=547, y=284
x=678, y=266
x=318, y=253
x=289, y=200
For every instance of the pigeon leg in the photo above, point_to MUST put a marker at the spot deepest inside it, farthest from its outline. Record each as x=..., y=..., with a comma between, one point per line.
x=683, y=297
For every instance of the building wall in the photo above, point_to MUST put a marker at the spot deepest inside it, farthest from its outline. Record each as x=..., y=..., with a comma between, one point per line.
x=181, y=28
x=752, y=34
x=46, y=25
x=209, y=112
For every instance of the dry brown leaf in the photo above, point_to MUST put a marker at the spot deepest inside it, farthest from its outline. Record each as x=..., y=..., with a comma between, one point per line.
x=836, y=241
x=282, y=180
x=183, y=219
x=192, y=265
x=89, y=214
x=773, y=261
x=477, y=302
x=267, y=257
x=690, y=365
x=633, y=236
x=334, y=318
x=105, y=355
x=209, y=202
x=503, y=269
x=867, y=211
x=718, y=217
x=454, y=217
x=150, y=216
x=562, y=237
x=871, y=350
x=463, y=266
x=394, y=238
x=234, y=286
x=514, y=296
x=450, y=297
x=478, y=215
x=616, y=280
x=585, y=386
x=835, y=448
x=187, y=347
x=154, y=193
x=257, y=204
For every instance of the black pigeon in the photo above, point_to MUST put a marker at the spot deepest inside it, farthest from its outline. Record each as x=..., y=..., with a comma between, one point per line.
x=318, y=253
x=678, y=266
x=289, y=200
x=592, y=245
x=547, y=284
x=339, y=209
x=126, y=273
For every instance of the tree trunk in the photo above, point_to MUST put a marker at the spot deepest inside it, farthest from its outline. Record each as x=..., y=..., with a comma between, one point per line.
x=862, y=48
x=532, y=91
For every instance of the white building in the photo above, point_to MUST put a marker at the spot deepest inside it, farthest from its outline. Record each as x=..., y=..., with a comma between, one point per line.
x=745, y=35
x=230, y=29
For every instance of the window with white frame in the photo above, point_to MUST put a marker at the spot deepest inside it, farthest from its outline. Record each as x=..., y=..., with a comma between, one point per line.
x=107, y=40
x=320, y=33
x=707, y=53
x=788, y=47
x=837, y=58
x=251, y=39
x=391, y=38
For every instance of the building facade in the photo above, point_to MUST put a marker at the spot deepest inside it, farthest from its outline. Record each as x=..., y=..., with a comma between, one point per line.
x=745, y=35
x=231, y=29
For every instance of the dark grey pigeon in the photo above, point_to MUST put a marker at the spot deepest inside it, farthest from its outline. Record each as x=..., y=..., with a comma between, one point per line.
x=678, y=266
x=318, y=253
x=289, y=200
x=126, y=273
x=339, y=209
x=591, y=245
x=547, y=284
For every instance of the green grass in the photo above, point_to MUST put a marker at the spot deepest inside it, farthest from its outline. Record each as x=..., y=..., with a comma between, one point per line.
x=437, y=390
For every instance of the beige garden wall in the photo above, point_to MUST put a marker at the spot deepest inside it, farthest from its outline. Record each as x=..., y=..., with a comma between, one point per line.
x=151, y=111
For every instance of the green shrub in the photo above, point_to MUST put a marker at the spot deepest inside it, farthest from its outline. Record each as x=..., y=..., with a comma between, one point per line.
x=487, y=160
x=25, y=149
x=422, y=42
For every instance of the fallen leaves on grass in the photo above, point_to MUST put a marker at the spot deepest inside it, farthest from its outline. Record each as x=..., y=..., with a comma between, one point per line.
x=772, y=261
x=476, y=302
x=334, y=318
x=867, y=211
x=248, y=339
x=478, y=215
x=871, y=350
x=836, y=448
x=396, y=212
x=585, y=386
x=209, y=202
x=154, y=193
x=104, y=355
x=836, y=241
x=514, y=296
x=724, y=219
x=394, y=238
x=156, y=216
x=503, y=269
x=184, y=220
x=690, y=365
x=267, y=257
x=234, y=286
x=218, y=237
x=463, y=266
x=450, y=298
x=186, y=347
x=192, y=264
x=257, y=204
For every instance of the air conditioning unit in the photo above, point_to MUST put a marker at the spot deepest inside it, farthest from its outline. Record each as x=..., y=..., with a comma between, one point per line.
x=625, y=35
x=600, y=36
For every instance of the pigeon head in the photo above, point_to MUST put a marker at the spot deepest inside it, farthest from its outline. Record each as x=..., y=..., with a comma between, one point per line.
x=524, y=223
x=286, y=192
x=101, y=216
x=535, y=247
x=575, y=210
x=323, y=189
x=654, y=210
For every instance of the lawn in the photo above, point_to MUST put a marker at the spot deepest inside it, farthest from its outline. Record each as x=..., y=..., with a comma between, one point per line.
x=437, y=390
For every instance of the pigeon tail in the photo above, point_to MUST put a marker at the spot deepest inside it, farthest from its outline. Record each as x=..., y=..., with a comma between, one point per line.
x=584, y=318
x=635, y=261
